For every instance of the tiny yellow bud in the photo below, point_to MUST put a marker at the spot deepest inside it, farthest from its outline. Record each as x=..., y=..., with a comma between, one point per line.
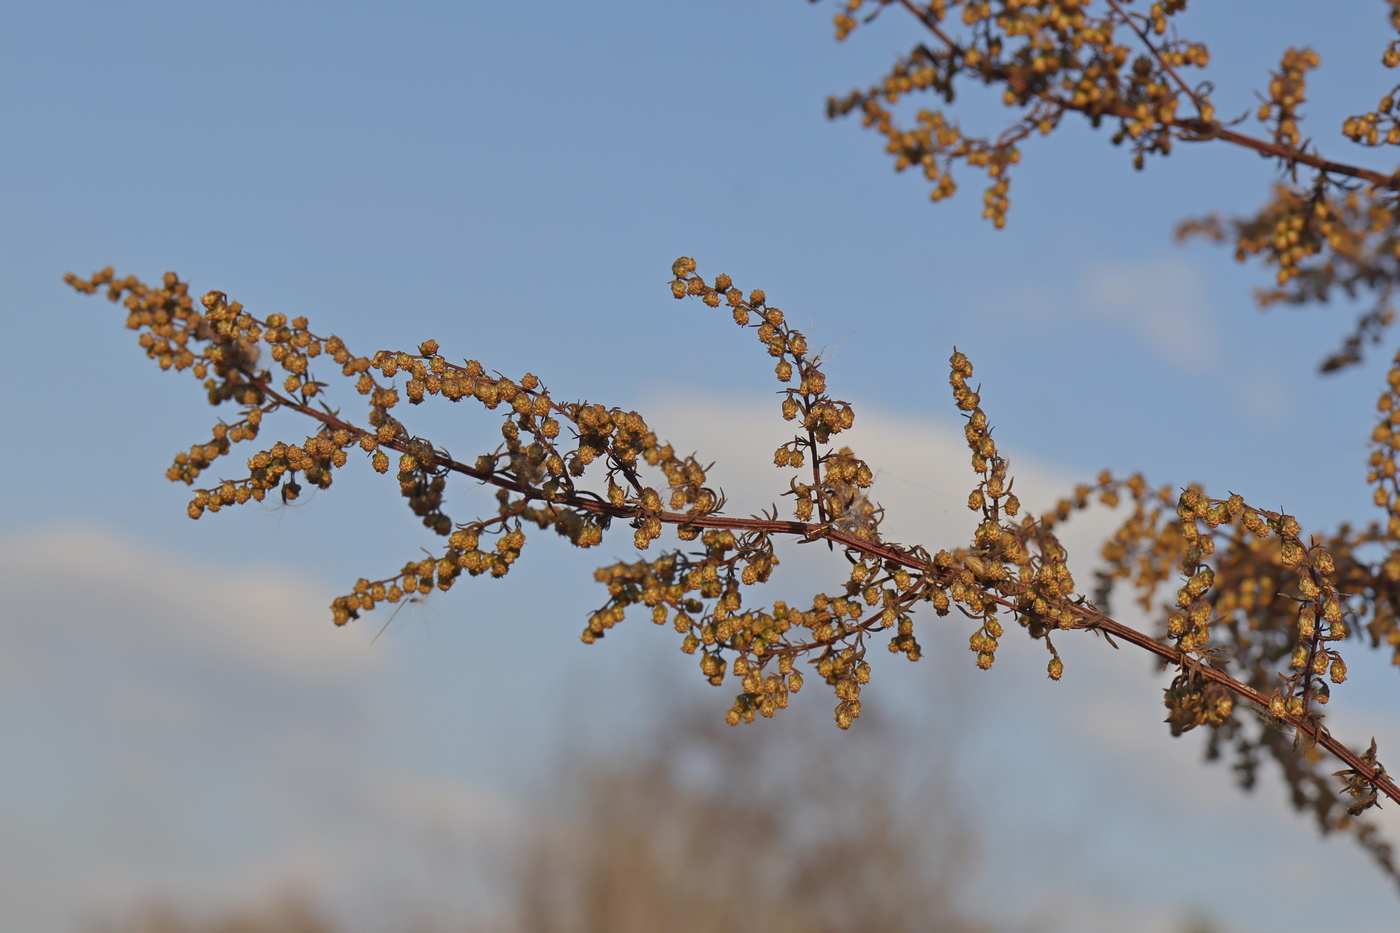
x=1339, y=671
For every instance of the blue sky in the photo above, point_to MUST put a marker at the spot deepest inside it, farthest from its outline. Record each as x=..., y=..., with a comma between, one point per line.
x=514, y=181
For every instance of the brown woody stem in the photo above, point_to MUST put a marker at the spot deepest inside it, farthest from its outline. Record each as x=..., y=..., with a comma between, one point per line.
x=1199, y=129
x=1089, y=617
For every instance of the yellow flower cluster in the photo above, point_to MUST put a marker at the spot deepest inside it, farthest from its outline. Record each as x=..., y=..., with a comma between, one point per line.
x=1049, y=57
x=1322, y=243
x=1380, y=126
x=1287, y=92
x=1259, y=617
x=1106, y=61
x=221, y=343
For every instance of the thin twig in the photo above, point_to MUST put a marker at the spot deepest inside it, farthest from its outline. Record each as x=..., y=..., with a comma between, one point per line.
x=1199, y=130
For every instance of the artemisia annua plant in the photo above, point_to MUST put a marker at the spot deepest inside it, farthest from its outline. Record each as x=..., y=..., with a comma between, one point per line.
x=1261, y=613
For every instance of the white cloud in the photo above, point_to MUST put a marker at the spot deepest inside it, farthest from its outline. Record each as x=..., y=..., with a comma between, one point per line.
x=177, y=729
x=1160, y=300
x=251, y=616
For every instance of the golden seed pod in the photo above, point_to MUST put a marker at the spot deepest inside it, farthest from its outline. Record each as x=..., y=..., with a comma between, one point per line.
x=1307, y=622
x=1338, y=672
x=1332, y=610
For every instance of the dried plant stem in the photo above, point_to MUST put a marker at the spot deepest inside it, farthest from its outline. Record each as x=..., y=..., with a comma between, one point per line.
x=1089, y=618
x=1199, y=130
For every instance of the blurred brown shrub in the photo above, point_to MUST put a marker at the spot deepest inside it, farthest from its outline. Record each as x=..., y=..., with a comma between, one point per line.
x=785, y=829
x=697, y=828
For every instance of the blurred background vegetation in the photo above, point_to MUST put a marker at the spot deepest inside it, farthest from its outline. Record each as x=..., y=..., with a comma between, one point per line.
x=790, y=827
